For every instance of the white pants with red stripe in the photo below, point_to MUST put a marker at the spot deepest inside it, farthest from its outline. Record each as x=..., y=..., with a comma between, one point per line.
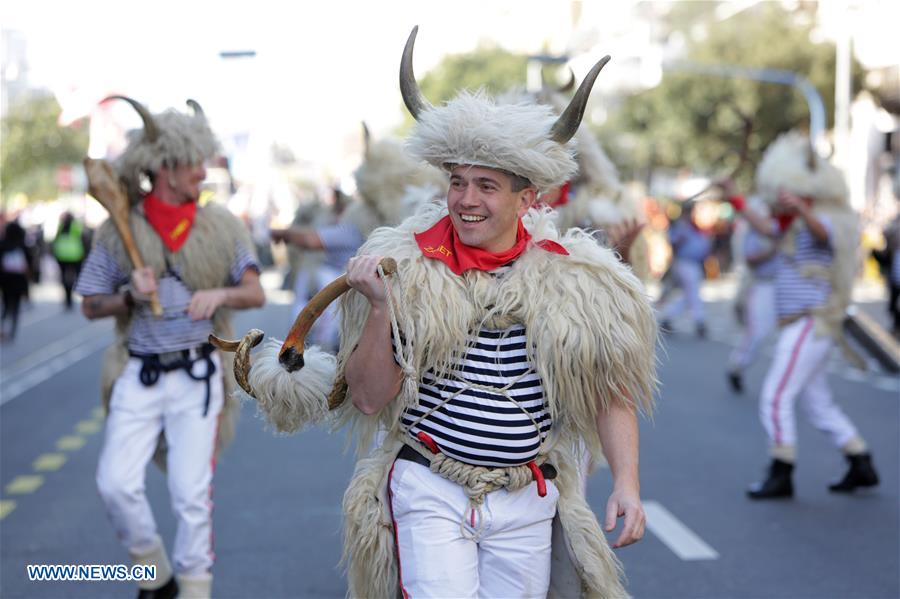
x=799, y=370
x=448, y=550
x=137, y=416
x=759, y=322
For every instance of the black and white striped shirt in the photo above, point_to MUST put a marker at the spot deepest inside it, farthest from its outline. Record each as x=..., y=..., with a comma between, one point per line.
x=482, y=426
x=175, y=330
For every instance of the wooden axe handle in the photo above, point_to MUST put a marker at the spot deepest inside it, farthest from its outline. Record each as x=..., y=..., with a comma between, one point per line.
x=105, y=188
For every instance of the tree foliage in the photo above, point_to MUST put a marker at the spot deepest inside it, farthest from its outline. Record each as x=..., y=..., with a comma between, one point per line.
x=35, y=146
x=694, y=121
x=493, y=69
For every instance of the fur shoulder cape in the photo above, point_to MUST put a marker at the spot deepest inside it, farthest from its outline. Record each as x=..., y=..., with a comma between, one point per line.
x=590, y=326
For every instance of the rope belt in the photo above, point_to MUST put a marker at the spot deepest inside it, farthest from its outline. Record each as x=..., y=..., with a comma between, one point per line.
x=477, y=481
x=152, y=365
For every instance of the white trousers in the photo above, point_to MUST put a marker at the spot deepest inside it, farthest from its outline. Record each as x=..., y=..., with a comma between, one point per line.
x=799, y=370
x=688, y=276
x=446, y=549
x=137, y=415
x=759, y=322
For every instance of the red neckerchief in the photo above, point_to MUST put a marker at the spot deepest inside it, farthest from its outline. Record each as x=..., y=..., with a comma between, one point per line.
x=784, y=221
x=172, y=223
x=441, y=242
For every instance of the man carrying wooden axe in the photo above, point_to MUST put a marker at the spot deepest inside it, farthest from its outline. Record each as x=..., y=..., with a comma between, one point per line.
x=163, y=384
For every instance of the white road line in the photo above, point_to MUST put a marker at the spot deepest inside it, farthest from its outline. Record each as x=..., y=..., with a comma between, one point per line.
x=886, y=383
x=675, y=535
x=41, y=373
x=81, y=335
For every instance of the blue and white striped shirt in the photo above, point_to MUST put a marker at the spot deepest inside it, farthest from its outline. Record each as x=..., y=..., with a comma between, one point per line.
x=794, y=293
x=479, y=426
x=175, y=330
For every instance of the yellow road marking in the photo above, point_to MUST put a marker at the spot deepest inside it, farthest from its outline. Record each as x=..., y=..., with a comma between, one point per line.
x=87, y=427
x=70, y=443
x=49, y=461
x=6, y=506
x=24, y=484
x=98, y=413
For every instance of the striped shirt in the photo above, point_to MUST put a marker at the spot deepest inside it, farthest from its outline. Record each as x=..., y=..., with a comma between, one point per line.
x=482, y=426
x=794, y=293
x=148, y=334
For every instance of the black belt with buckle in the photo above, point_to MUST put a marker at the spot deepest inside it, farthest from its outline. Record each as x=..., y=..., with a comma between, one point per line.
x=411, y=455
x=152, y=365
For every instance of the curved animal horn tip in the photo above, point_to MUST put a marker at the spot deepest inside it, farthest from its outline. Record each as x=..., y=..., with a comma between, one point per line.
x=409, y=89
x=151, y=131
x=195, y=106
x=567, y=123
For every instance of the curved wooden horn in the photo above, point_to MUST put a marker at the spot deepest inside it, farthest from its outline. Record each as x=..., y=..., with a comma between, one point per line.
x=567, y=123
x=195, y=106
x=241, y=351
x=409, y=89
x=151, y=131
x=291, y=354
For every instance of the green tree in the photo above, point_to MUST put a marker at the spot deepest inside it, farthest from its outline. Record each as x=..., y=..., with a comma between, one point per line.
x=493, y=69
x=694, y=121
x=34, y=146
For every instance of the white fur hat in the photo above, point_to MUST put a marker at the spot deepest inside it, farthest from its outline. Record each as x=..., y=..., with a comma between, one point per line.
x=525, y=139
x=167, y=139
x=786, y=165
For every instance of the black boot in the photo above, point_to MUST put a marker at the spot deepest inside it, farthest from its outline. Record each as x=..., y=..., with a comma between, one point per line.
x=860, y=474
x=778, y=483
x=736, y=381
x=166, y=591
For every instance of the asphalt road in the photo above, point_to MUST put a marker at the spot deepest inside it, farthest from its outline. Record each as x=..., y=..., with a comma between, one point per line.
x=277, y=498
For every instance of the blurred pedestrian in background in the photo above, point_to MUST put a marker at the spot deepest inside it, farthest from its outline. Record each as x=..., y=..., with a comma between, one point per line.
x=15, y=273
x=69, y=249
x=889, y=261
x=757, y=304
x=690, y=247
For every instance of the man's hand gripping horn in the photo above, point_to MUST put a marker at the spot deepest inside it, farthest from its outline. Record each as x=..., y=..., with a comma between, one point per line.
x=291, y=354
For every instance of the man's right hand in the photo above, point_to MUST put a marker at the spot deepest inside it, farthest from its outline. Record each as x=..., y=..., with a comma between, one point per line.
x=143, y=283
x=362, y=275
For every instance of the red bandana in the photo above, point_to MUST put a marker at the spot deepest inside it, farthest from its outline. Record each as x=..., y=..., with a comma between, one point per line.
x=441, y=242
x=172, y=223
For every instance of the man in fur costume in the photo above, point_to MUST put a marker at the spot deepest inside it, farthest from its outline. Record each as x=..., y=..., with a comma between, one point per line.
x=497, y=350
x=386, y=180
x=162, y=380
x=476, y=373
x=817, y=239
